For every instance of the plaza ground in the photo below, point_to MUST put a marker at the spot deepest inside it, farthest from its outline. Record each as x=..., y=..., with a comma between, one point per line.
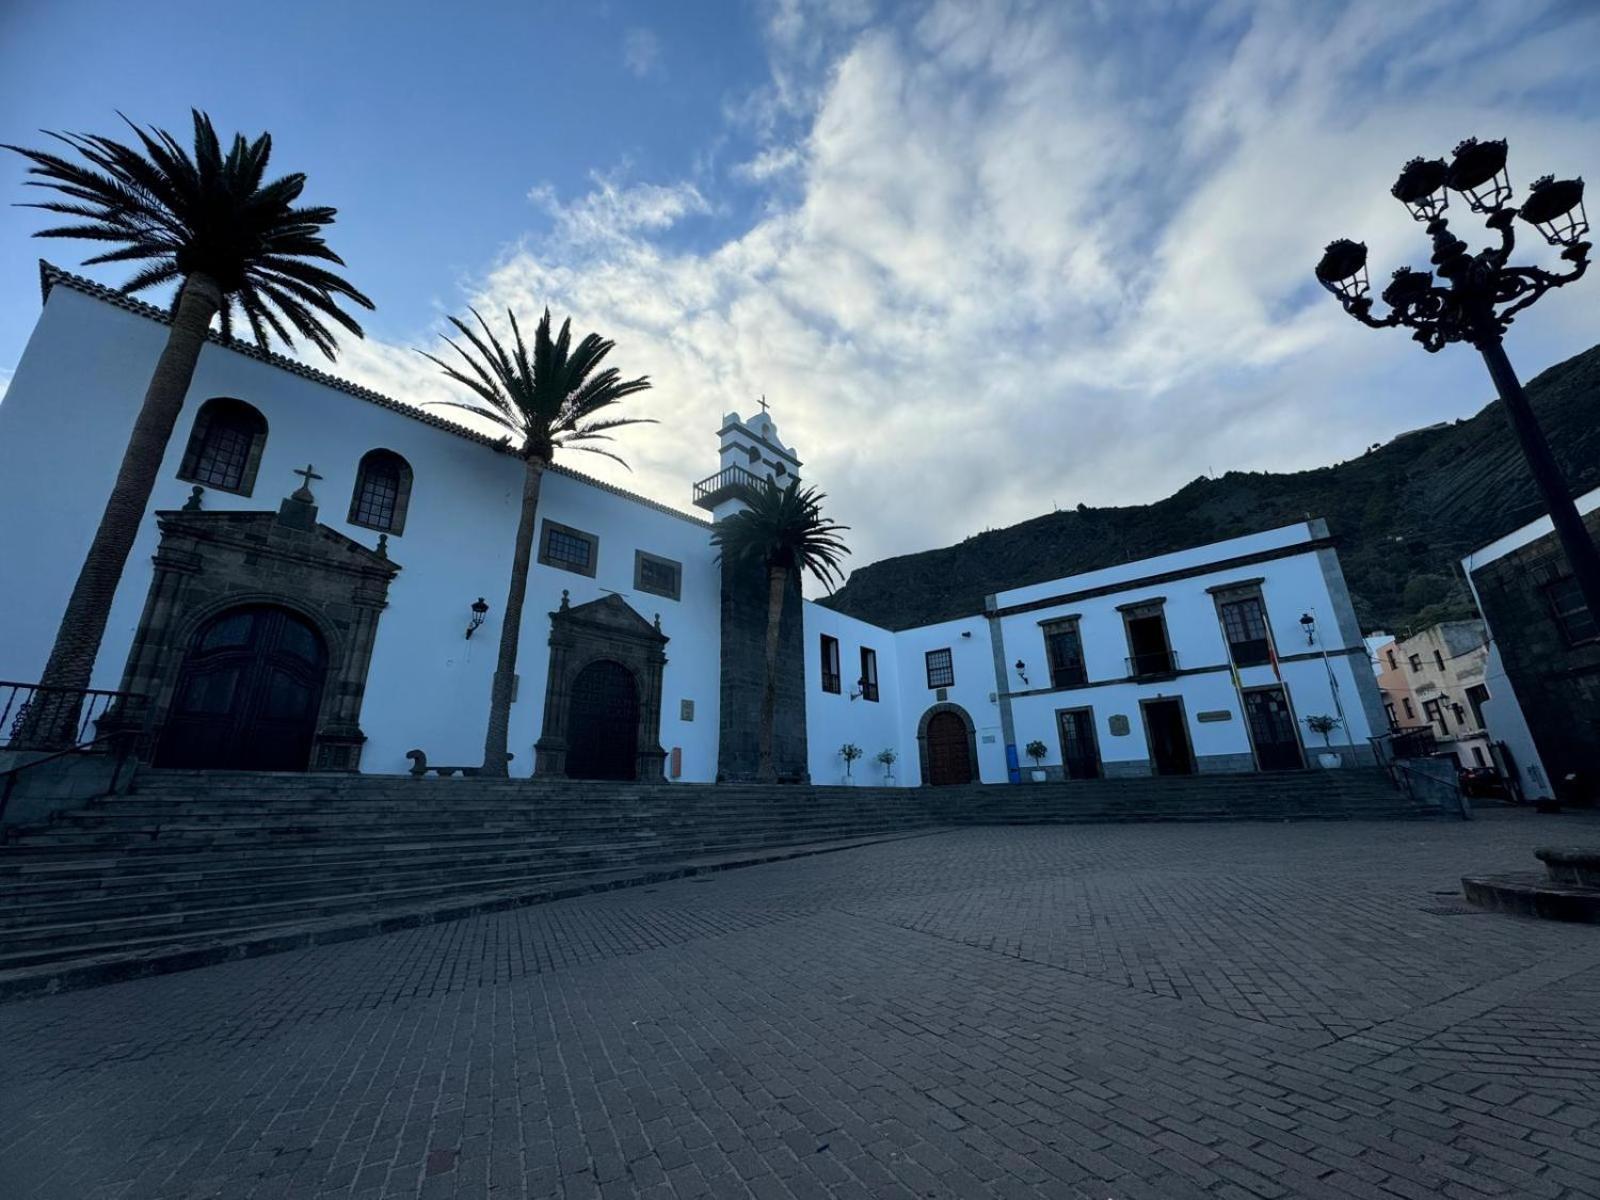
x=1162, y=1011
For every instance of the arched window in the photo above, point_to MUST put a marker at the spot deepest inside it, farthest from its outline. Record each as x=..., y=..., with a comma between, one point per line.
x=225, y=446
x=383, y=489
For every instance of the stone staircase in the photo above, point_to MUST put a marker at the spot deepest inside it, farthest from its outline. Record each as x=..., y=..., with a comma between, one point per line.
x=195, y=867
x=1359, y=794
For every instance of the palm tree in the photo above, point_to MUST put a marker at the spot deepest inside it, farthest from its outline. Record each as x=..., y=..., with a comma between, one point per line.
x=235, y=243
x=782, y=529
x=544, y=403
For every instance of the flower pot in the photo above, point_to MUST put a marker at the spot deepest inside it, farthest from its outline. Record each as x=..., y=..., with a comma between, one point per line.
x=1038, y=775
x=1329, y=759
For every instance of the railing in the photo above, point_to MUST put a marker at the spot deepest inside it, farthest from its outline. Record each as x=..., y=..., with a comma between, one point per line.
x=57, y=722
x=36, y=717
x=1152, y=663
x=712, y=490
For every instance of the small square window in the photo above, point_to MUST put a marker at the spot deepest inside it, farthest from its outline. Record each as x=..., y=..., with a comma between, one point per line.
x=656, y=575
x=941, y=669
x=568, y=549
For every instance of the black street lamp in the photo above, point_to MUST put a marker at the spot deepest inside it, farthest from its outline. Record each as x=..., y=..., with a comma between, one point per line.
x=1482, y=297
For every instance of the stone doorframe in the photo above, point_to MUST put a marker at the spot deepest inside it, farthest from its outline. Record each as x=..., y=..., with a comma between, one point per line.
x=972, y=738
x=609, y=629
x=209, y=562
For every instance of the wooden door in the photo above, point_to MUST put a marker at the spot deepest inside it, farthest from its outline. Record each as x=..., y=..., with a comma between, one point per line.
x=248, y=694
x=1272, y=730
x=1170, y=753
x=949, y=750
x=1080, y=753
x=603, y=723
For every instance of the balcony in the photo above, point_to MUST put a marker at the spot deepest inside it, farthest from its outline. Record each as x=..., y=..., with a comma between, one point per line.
x=1153, y=664
x=723, y=486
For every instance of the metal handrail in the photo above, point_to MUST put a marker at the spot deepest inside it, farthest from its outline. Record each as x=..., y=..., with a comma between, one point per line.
x=62, y=721
x=1152, y=663
x=123, y=740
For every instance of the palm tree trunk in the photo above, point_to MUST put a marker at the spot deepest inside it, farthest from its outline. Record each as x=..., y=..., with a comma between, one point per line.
x=777, y=585
x=505, y=671
x=83, y=625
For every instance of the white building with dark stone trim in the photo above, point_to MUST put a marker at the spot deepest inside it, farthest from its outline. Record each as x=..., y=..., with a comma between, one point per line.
x=302, y=597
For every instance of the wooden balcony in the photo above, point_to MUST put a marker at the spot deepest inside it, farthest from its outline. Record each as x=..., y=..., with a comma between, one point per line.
x=723, y=486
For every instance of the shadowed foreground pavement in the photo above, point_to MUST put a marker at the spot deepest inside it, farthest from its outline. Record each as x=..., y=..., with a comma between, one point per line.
x=1106, y=1011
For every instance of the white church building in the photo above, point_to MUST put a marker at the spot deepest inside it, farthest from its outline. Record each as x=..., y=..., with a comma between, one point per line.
x=302, y=596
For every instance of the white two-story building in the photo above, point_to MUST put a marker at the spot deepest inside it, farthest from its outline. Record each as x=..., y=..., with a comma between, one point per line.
x=1216, y=658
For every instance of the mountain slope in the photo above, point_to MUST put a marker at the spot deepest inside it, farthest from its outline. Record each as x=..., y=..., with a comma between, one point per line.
x=1404, y=514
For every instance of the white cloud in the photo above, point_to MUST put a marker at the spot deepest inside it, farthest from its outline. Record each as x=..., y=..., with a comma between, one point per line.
x=1017, y=256
x=641, y=51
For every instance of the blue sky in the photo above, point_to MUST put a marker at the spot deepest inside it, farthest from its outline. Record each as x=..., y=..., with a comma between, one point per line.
x=984, y=259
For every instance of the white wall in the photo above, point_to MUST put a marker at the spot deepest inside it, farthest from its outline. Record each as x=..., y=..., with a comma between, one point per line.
x=834, y=719
x=1291, y=586
x=972, y=656
x=64, y=423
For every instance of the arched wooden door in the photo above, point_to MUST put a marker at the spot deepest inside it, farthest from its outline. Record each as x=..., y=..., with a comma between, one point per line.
x=248, y=694
x=603, y=723
x=949, y=750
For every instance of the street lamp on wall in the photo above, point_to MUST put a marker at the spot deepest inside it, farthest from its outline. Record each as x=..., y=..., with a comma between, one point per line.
x=1477, y=296
x=1309, y=624
x=480, y=609
x=1022, y=672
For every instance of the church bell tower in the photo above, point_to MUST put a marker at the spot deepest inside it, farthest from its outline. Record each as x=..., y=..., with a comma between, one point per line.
x=751, y=451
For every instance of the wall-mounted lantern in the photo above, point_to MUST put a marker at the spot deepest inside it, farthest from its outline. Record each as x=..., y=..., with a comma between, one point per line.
x=480, y=609
x=1309, y=624
x=1022, y=672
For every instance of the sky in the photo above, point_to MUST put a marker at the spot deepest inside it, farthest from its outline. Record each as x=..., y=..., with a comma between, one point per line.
x=983, y=259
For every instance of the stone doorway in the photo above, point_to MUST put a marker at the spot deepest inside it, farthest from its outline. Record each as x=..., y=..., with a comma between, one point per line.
x=248, y=694
x=603, y=723
x=304, y=585
x=602, y=698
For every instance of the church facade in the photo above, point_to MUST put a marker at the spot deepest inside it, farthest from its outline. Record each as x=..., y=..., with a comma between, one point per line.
x=317, y=584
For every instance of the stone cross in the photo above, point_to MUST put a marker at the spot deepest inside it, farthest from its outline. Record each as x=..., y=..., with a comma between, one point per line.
x=303, y=492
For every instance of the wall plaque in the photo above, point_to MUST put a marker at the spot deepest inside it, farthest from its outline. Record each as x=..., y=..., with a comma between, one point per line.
x=1216, y=714
x=1118, y=724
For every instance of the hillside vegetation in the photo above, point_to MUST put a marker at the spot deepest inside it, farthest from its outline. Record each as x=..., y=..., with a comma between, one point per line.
x=1404, y=513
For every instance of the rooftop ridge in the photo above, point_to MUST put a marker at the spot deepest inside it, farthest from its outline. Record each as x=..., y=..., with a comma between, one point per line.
x=50, y=275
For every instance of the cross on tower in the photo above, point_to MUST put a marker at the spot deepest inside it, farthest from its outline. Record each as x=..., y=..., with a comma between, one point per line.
x=303, y=492
x=763, y=402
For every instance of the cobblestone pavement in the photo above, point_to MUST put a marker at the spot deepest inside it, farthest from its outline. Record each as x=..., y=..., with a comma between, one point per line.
x=1110, y=1012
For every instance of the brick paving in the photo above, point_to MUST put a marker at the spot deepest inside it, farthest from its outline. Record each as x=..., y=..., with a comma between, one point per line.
x=1105, y=1012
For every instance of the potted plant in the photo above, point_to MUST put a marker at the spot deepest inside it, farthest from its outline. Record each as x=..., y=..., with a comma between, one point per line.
x=1325, y=725
x=849, y=752
x=1036, y=750
x=887, y=758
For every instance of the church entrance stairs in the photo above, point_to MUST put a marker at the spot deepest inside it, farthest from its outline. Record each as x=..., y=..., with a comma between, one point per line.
x=194, y=867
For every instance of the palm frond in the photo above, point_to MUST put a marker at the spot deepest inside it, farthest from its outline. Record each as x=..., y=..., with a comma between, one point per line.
x=544, y=397
x=205, y=209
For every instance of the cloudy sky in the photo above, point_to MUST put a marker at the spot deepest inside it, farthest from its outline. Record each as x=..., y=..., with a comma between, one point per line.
x=984, y=259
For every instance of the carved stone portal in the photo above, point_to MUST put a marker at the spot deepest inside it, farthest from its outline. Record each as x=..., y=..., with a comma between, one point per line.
x=211, y=563
x=602, y=700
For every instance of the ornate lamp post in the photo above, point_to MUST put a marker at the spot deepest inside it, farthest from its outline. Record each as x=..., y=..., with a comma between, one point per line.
x=1479, y=295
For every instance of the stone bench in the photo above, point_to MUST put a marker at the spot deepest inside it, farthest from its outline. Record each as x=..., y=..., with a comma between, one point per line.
x=420, y=766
